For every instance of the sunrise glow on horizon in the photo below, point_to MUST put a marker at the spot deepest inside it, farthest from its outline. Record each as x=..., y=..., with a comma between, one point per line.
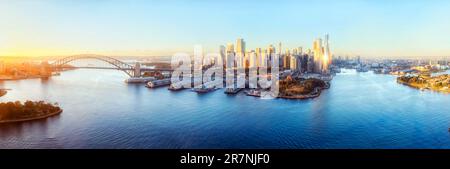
x=370, y=28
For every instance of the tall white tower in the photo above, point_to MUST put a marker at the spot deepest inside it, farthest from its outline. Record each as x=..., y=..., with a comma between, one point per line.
x=326, y=54
x=279, y=48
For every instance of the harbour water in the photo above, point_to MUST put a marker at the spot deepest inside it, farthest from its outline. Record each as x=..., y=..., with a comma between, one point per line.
x=360, y=110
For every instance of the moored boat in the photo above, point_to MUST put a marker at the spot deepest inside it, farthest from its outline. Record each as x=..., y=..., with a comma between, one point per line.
x=139, y=79
x=232, y=90
x=158, y=83
x=255, y=93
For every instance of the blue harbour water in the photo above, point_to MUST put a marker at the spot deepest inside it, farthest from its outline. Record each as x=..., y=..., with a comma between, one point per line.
x=360, y=110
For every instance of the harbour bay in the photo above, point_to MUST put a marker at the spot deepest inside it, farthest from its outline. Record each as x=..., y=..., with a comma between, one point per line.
x=360, y=110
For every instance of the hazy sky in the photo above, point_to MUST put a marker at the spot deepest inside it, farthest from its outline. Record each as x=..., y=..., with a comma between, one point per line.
x=162, y=27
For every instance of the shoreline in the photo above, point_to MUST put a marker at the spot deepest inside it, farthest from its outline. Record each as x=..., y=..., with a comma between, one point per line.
x=316, y=93
x=32, y=118
x=23, y=78
x=302, y=97
x=312, y=95
x=423, y=88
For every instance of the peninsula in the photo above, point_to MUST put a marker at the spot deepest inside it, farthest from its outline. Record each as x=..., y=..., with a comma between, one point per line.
x=297, y=88
x=291, y=88
x=439, y=83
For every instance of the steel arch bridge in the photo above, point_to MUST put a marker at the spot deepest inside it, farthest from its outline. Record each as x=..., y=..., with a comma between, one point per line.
x=119, y=65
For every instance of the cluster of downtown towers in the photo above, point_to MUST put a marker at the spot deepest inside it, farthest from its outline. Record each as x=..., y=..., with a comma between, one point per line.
x=315, y=60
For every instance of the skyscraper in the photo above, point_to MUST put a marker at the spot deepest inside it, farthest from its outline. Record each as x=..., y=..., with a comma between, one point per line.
x=240, y=52
x=223, y=54
x=269, y=54
x=240, y=45
x=230, y=48
x=294, y=51
x=286, y=59
x=318, y=55
x=300, y=50
x=310, y=63
x=263, y=59
x=293, y=63
x=308, y=52
x=253, y=60
x=258, y=53
x=230, y=56
x=271, y=49
x=326, y=55
x=279, y=48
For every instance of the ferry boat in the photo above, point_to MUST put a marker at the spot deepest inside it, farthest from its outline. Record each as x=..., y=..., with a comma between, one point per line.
x=232, y=90
x=362, y=69
x=139, y=79
x=255, y=93
x=158, y=83
x=174, y=87
x=179, y=85
x=206, y=87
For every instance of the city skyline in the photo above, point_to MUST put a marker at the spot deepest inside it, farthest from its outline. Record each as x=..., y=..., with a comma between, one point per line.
x=161, y=28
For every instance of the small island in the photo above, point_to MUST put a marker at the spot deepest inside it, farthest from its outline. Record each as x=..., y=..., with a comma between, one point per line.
x=439, y=83
x=27, y=111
